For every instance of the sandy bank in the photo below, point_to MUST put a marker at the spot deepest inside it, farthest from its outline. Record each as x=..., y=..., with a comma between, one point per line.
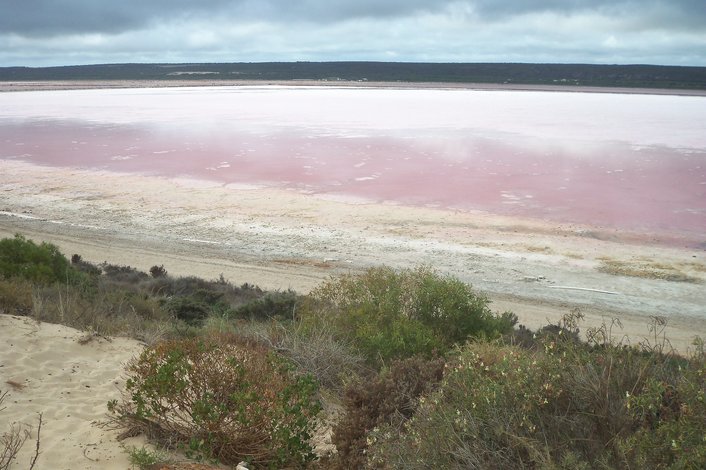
x=48, y=370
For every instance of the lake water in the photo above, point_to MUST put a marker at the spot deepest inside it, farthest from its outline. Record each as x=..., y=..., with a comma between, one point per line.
x=625, y=161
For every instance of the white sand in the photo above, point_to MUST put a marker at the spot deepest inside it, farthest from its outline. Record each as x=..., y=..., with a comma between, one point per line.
x=70, y=384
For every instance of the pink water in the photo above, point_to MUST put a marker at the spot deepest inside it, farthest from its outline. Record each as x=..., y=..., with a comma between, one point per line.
x=629, y=162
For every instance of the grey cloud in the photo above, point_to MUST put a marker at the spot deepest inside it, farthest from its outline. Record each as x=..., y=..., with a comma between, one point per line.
x=46, y=18
x=647, y=14
x=55, y=32
x=55, y=17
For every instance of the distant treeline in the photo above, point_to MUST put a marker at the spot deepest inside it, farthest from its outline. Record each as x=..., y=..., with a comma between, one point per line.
x=647, y=76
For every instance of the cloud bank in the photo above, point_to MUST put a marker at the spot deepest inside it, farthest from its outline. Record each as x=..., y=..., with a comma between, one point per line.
x=58, y=32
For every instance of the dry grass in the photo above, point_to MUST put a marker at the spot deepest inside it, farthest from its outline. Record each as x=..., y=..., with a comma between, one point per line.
x=648, y=270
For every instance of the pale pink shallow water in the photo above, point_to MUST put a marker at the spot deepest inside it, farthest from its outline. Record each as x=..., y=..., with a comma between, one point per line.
x=629, y=162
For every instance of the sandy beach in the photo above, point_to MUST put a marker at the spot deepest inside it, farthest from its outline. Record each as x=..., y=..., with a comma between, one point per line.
x=46, y=369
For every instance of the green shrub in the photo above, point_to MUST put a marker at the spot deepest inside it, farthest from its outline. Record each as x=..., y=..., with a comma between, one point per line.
x=44, y=263
x=566, y=405
x=392, y=314
x=221, y=398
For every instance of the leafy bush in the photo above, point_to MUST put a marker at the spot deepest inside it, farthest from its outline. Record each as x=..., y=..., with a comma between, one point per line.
x=567, y=405
x=392, y=314
x=221, y=398
x=390, y=399
x=44, y=263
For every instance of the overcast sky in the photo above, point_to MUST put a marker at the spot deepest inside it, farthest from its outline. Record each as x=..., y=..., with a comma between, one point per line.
x=64, y=32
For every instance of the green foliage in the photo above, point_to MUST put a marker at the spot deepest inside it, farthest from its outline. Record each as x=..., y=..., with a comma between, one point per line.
x=44, y=263
x=565, y=405
x=221, y=398
x=392, y=314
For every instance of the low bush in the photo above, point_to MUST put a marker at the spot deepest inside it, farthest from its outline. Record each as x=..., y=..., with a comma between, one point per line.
x=279, y=305
x=566, y=405
x=221, y=398
x=158, y=271
x=43, y=263
x=187, y=309
x=85, y=266
x=123, y=274
x=392, y=314
x=211, y=292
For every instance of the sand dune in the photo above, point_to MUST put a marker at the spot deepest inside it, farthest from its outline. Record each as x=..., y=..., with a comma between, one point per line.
x=69, y=383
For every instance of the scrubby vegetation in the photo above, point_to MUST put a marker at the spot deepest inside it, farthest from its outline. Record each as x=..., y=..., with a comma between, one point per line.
x=414, y=369
x=221, y=398
x=560, y=404
x=44, y=264
x=392, y=314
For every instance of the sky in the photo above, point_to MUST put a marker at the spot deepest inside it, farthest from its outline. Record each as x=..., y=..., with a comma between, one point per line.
x=71, y=32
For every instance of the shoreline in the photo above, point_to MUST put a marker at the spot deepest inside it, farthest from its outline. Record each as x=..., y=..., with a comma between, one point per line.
x=282, y=239
x=19, y=86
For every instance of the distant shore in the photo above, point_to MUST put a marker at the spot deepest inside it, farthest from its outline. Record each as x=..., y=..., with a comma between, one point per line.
x=17, y=86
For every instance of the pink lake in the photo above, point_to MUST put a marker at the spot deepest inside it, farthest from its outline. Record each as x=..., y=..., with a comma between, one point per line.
x=616, y=161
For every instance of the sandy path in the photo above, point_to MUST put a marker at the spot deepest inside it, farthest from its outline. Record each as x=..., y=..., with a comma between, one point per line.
x=70, y=384
x=284, y=239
